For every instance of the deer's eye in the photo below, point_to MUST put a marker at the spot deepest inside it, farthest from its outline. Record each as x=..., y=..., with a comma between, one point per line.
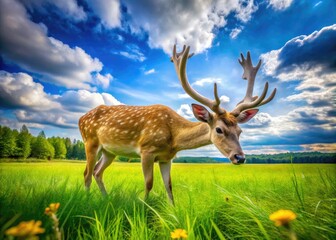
x=219, y=130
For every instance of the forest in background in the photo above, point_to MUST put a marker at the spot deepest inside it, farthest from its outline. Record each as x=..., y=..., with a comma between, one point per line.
x=22, y=144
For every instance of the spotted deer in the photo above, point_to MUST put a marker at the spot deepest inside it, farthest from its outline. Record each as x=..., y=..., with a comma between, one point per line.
x=156, y=133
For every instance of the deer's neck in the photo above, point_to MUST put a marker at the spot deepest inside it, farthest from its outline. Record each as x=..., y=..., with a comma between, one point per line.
x=192, y=135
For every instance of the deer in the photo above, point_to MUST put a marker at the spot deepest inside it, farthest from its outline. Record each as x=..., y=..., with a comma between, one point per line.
x=156, y=133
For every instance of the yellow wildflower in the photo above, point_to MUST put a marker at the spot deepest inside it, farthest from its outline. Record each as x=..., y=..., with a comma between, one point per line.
x=282, y=217
x=52, y=209
x=26, y=229
x=179, y=233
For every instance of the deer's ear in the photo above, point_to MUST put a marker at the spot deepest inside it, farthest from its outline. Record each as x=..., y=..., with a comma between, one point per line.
x=201, y=113
x=247, y=115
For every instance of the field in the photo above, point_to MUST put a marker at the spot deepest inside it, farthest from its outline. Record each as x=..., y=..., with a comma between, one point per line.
x=212, y=201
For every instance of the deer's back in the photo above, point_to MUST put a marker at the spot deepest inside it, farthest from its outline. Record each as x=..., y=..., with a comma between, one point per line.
x=130, y=129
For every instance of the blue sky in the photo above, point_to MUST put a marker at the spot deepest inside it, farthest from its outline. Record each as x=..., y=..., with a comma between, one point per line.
x=59, y=59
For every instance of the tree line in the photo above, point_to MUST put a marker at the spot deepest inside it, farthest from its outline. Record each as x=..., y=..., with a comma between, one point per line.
x=22, y=144
x=290, y=157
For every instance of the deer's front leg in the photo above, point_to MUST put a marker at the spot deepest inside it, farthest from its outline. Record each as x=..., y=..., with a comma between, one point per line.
x=165, y=168
x=147, y=161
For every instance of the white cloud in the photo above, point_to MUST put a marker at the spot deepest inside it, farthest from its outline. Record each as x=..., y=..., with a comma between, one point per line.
x=150, y=71
x=308, y=60
x=183, y=96
x=320, y=147
x=184, y=22
x=67, y=8
x=208, y=151
x=134, y=56
x=205, y=81
x=109, y=99
x=83, y=100
x=103, y=80
x=132, y=52
x=53, y=118
x=279, y=4
x=34, y=106
x=235, y=32
x=185, y=111
x=27, y=44
x=270, y=62
x=224, y=99
x=13, y=123
x=266, y=149
x=261, y=119
x=317, y=4
x=108, y=11
x=245, y=10
x=19, y=90
x=311, y=98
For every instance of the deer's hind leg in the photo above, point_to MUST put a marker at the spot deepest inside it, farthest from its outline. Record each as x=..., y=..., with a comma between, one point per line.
x=165, y=168
x=147, y=161
x=105, y=160
x=91, y=151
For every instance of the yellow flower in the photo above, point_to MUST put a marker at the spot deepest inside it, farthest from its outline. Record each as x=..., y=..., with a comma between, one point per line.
x=52, y=209
x=282, y=217
x=26, y=229
x=179, y=233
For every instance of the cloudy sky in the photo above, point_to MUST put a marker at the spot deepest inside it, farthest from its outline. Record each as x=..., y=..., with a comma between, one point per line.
x=59, y=59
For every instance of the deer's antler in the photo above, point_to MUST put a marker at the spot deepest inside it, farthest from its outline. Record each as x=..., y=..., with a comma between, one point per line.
x=249, y=74
x=180, y=62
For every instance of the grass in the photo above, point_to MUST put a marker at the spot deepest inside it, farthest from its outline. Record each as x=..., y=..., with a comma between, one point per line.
x=212, y=201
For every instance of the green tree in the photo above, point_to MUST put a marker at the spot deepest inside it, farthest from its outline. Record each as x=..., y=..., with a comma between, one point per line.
x=59, y=146
x=7, y=142
x=42, y=134
x=69, y=148
x=23, y=148
x=41, y=148
x=78, y=150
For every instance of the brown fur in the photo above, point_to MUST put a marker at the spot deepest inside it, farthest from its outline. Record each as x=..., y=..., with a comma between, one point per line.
x=154, y=133
x=228, y=119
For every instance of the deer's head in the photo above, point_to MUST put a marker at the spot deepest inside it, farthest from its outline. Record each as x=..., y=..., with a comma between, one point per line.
x=224, y=129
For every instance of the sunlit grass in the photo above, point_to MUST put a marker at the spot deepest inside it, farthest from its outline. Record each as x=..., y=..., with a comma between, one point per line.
x=212, y=201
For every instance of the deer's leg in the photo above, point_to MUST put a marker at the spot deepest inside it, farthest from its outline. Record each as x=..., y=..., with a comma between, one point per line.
x=165, y=168
x=147, y=161
x=91, y=150
x=105, y=160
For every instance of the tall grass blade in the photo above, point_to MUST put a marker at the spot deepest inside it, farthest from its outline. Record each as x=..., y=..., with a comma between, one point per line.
x=219, y=233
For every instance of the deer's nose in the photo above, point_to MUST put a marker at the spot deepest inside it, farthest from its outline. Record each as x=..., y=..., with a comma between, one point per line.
x=240, y=158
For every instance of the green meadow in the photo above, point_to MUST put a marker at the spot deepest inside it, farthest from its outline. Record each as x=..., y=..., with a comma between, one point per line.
x=212, y=201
